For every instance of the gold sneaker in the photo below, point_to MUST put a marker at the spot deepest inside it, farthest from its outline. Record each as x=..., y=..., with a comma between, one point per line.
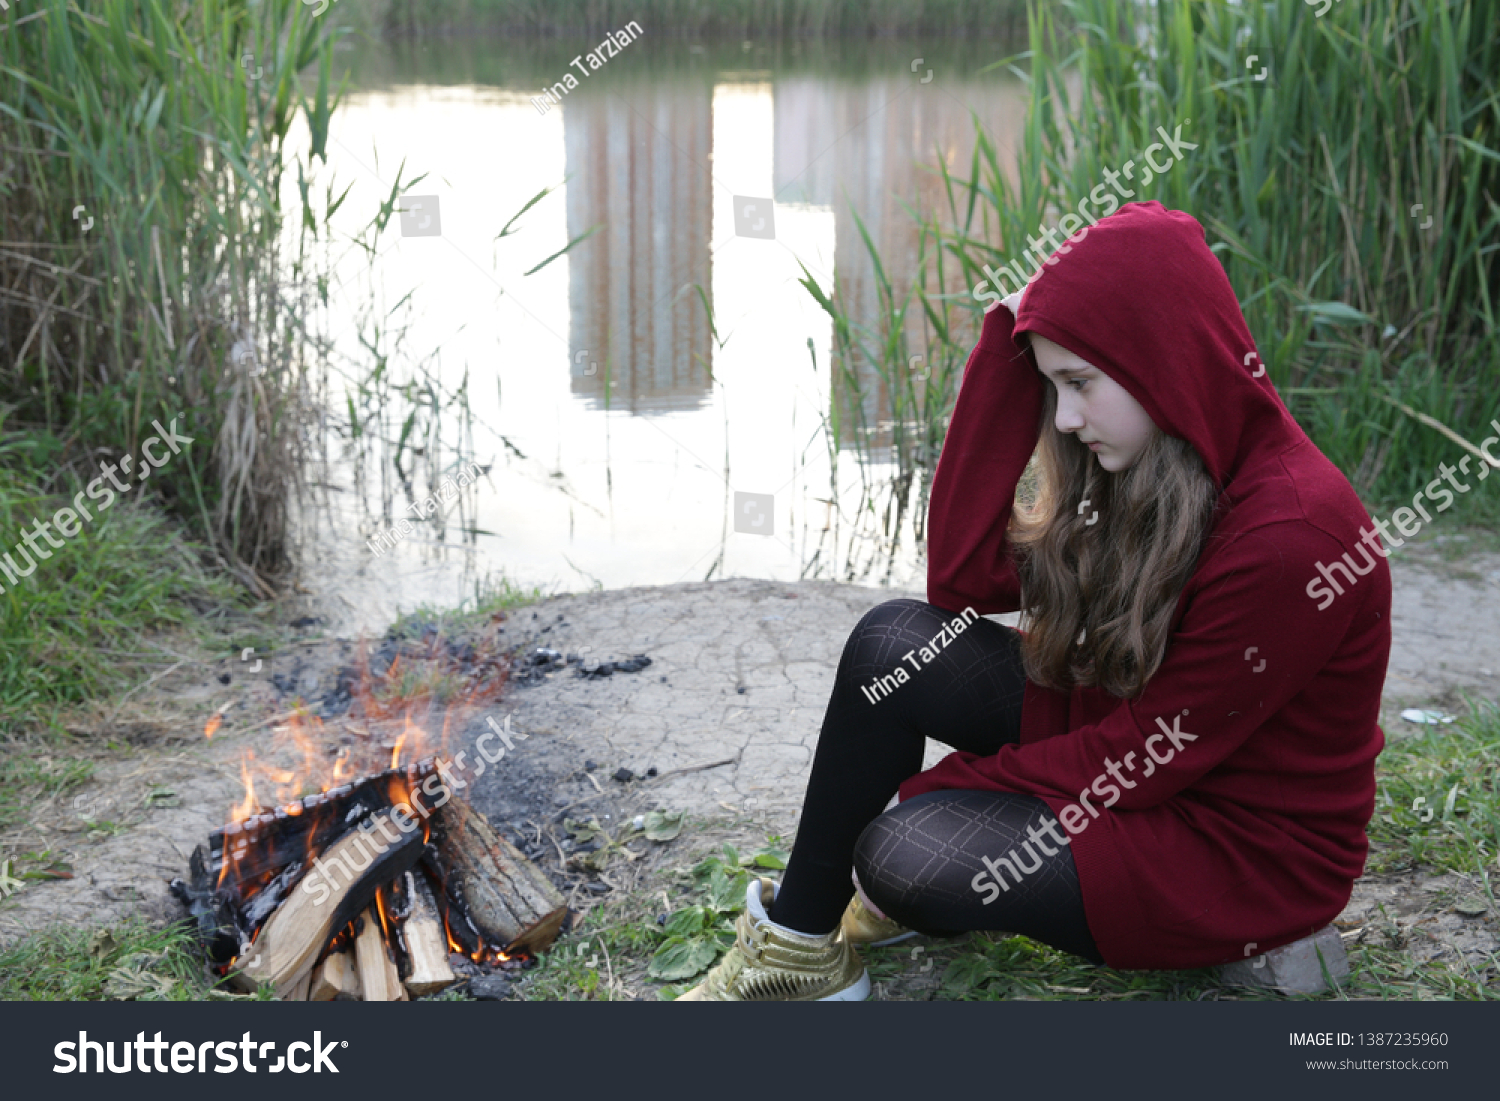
x=861, y=925
x=771, y=964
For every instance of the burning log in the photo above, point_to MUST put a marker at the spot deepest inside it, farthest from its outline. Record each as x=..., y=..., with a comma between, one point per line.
x=300, y=990
x=335, y=979
x=264, y=845
x=378, y=977
x=506, y=898
x=422, y=936
x=321, y=905
x=277, y=897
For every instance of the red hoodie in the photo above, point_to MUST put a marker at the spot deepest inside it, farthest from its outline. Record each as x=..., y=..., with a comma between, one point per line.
x=1238, y=823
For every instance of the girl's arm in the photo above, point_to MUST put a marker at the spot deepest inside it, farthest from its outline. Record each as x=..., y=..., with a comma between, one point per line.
x=1249, y=641
x=990, y=440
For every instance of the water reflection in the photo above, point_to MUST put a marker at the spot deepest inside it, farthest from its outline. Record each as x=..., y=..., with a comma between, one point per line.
x=869, y=148
x=638, y=169
x=619, y=426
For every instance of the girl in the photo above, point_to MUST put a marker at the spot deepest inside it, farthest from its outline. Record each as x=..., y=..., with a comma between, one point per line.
x=1173, y=766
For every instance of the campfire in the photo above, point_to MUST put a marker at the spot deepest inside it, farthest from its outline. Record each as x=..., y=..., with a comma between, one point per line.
x=381, y=887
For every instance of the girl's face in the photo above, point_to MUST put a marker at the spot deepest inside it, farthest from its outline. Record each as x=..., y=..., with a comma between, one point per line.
x=1094, y=406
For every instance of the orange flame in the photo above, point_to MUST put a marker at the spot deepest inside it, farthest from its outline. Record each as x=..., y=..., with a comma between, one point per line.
x=380, y=906
x=398, y=716
x=250, y=804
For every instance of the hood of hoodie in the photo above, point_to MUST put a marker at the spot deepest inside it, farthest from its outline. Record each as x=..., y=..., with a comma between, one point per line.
x=1142, y=297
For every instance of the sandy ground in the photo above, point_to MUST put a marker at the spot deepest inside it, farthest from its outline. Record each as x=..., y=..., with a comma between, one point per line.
x=727, y=713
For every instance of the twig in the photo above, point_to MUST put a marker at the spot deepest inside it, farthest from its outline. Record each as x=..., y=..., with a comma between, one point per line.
x=1430, y=422
x=166, y=305
x=653, y=781
x=576, y=802
x=115, y=714
x=562, y=858
x=609, y=966
x=693, y=768
x=268, y=722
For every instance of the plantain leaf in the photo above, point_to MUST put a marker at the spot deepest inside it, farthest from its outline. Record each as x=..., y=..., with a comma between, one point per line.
x=682, y=958
x=663, y=825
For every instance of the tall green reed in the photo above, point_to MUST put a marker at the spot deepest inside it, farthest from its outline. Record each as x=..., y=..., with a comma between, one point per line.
x=1305, y=181
x=167, y=122
x=694, y=18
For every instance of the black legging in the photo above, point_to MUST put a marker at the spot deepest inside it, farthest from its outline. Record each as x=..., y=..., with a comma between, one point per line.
x=918, y=861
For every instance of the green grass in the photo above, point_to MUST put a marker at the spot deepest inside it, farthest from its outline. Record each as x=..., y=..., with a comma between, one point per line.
x=492, y=596
x=1439, y=797
x=130, y=960
x=614, y=939
x=27, y=778
x=77, y=628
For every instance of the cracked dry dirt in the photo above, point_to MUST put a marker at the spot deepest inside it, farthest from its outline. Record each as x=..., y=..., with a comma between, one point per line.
x=727, y=713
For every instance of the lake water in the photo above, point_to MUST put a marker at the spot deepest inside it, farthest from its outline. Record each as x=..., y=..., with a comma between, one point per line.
x=617, y=427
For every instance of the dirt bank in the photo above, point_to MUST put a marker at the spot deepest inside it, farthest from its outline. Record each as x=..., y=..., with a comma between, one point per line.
x=727, y=715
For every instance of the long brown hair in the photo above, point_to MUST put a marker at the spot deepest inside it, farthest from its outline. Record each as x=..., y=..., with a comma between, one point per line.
x=1097, y=598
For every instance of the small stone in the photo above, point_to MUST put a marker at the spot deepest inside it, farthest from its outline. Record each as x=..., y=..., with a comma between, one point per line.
x=651, y=771
x=624, y=775
x=597, y=888
x=225, y=678
x=589, y=766
x=1295, y=968
x=489, y=988
x=740, y=690
x=664, y=680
